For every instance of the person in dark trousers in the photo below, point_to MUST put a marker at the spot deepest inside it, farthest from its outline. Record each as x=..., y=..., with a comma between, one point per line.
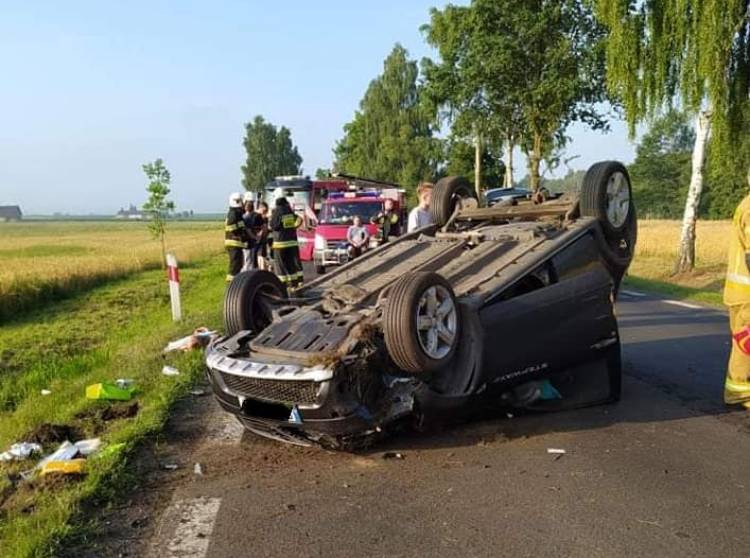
x=249, y=218
x=284, y=223
x=387, y=221
x=260, y=230
x=235, y=235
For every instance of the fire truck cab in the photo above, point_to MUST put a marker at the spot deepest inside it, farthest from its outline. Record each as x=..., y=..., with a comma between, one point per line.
x=337, y=215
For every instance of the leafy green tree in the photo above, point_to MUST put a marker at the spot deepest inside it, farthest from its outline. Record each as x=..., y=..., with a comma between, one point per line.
x=270, y=152
x=158, y=206
x=662, y=166
x=693, y=51
x=322, y=174
x=460, y=162
x=519, y=70
x=390, y=137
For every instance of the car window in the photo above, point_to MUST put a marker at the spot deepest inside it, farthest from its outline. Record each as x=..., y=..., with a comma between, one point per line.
x=344, y=213
x=577, y=258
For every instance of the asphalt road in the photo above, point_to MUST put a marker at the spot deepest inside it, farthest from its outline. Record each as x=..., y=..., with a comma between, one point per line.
x=662, y=473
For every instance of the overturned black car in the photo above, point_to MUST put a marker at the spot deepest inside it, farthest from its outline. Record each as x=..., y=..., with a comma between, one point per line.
x=488, y=308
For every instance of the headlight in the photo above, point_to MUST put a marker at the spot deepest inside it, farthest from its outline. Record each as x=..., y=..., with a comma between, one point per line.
x=320, y=242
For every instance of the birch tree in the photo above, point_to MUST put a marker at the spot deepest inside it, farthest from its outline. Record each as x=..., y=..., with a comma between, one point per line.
x=693, y=52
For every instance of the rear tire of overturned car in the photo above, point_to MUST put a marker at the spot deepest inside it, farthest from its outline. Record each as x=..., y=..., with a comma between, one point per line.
x=447, y=194
x=606, y=194
x=421, y=323
x=248, y=300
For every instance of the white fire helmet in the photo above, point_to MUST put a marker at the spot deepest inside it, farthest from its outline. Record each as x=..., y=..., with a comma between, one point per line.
x=248, y=197
x=279, y=193
x=235, y=200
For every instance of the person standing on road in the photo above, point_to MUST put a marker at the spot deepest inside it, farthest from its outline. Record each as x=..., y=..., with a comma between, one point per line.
x=737, y=299
x=284, y=224
x=248, y=218
x=260, y=229
x=420, y=216
x=386, y=220
x=235, y=235
x=357, y=237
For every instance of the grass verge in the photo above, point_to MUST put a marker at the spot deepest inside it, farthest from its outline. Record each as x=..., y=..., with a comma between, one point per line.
x=709, y=296
x=114, y=331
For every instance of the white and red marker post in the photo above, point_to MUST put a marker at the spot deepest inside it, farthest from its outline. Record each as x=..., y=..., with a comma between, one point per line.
x=173, y=274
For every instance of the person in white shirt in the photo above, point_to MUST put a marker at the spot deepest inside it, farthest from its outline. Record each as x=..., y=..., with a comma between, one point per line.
x=420, y=216
x=357, y=237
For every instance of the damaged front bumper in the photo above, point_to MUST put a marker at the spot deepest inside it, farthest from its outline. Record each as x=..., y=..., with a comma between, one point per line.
x=295, y=403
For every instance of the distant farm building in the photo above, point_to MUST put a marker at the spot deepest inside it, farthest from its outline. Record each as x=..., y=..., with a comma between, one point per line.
x=10, y=213
x=131, y=212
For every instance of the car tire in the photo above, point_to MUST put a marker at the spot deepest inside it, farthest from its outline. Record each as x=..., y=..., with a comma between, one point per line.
x=320, y=269
x=448, y=192
x=606, y=194
x=415, y=345
x=620, y=230
x=244, y=308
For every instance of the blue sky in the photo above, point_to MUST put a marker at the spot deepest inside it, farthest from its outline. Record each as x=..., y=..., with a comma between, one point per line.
x=90, y=90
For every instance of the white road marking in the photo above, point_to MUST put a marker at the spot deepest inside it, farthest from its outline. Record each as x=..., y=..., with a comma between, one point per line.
x=683, y=304
x=632, y=293
x=195, y=522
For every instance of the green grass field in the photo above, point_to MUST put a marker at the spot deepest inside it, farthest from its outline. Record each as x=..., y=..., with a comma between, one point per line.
x=115, y=329
x=42, y=261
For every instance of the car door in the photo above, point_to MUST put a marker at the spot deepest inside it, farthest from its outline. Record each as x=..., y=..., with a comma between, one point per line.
x=566, y=320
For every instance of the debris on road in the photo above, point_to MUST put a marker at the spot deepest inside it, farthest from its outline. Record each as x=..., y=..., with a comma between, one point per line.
x=199, y=339
x=109, y=391
x=556, y=451
x=198, y=469
x=197, y=392
x=393, y=455
x=170, y=371
x=170, y=466
x=20, y=451
x=124, y=383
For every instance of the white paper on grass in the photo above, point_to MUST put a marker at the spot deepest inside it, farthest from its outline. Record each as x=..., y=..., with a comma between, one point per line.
x=21, y=450
x=87, y=447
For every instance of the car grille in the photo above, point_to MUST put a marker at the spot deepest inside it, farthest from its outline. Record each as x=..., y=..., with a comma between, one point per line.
x=334, y=244
x=302, y=392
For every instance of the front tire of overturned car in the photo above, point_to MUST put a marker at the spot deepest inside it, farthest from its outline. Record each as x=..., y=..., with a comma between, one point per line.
x=421, y=323
x=247, y=301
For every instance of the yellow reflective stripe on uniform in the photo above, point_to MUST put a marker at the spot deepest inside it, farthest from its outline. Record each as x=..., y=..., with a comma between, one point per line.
x=737, y=387
x=230, y=277
x=236, y=226
x=394, y=219
x=290, y=221
x=234, y=244
x=284, y=244
x=737, y=278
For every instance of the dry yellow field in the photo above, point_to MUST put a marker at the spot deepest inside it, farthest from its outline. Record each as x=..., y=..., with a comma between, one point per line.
x=656, y=253
x=41, y=258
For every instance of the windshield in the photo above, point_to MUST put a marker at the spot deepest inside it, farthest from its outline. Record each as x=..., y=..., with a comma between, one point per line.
x=343, y=213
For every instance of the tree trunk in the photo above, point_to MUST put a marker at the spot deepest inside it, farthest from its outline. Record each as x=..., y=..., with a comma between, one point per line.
x=508, y=181
x=478, y=163
x=686, y=256
x=535, y=158
x=163, y=251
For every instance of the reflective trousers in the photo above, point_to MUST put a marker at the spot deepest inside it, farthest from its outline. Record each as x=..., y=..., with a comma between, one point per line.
x=737, y=384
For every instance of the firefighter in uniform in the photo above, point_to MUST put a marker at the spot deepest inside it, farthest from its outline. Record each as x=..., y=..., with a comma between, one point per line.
x=284, y=224
x=386, y=220
x=737, y=298
x=235, y=235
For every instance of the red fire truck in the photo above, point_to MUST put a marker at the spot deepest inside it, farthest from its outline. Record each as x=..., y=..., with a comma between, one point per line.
x=306, y=198
x=337, y=214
